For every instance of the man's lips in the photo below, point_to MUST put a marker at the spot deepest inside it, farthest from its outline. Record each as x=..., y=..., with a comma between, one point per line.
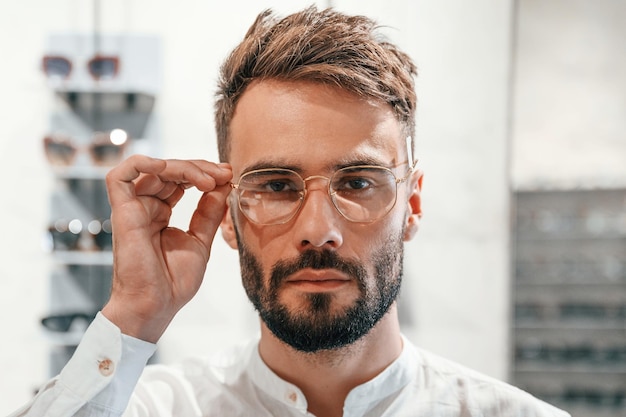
x=317, y=275
x=317, y=280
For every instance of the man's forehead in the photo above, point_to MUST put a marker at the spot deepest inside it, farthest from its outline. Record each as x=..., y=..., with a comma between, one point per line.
x=298, y=122
x=272, y=100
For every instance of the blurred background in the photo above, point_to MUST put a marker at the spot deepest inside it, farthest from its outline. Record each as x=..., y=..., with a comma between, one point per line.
x=519, y=269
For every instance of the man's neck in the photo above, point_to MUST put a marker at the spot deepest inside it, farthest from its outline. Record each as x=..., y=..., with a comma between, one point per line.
x=327, y=377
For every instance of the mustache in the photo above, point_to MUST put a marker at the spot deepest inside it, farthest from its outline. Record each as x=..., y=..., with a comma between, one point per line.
x=314, y=259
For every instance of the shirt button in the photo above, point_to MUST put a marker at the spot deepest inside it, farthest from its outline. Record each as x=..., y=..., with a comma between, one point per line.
x=106, y=367
x=292, y=396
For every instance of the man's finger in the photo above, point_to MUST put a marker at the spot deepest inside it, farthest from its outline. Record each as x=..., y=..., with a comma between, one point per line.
x=122, y=180
x=119, y=180
x=209, y=214
x=203, y=175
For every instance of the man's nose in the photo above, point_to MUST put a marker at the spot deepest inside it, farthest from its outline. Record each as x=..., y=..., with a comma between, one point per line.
x=318, y=224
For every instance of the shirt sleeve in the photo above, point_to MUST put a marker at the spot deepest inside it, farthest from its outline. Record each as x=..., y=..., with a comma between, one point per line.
x=98, y=380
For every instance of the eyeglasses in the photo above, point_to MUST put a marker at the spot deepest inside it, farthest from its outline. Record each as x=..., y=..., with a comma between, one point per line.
x=99, y=66
x=66, y=235
x=64, y=322
x=361, y=194
x=105, y=149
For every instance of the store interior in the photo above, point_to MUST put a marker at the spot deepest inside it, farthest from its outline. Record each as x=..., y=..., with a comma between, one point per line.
x=519, y=267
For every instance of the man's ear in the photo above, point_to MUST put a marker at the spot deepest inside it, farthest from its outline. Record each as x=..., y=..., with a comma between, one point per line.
x=415, y=205
x=228, y=229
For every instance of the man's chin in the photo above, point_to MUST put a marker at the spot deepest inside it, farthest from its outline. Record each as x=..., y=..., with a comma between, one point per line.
x=315, y=324
x=316, y=305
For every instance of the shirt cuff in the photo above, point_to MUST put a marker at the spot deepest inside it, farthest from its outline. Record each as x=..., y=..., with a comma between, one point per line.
x=106, y=365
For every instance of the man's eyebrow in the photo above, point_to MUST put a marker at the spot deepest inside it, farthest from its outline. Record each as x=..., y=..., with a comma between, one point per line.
x=283, y=164
x=359, y=160
x=333, y=166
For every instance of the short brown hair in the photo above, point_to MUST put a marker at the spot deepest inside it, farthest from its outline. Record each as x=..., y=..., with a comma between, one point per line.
x=321, y=46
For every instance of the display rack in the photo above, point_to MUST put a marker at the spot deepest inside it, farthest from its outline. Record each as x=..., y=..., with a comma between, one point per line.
x=91, y=107
x=569, y=327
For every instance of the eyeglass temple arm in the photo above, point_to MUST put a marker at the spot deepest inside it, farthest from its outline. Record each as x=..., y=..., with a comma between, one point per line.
x=412, y=162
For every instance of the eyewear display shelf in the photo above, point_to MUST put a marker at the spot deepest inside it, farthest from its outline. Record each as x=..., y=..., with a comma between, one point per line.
x=569, y=329
x=101, y=115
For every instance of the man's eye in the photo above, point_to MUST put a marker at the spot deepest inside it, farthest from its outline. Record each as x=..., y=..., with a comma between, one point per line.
x=352, y=183
x=278, y=186
x=270, y=183
x=357, y=184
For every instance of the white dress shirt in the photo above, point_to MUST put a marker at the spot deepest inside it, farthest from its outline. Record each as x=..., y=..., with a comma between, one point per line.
x=104, y=378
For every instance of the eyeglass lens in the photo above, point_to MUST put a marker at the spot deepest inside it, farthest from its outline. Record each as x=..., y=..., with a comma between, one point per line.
x=104, y=152
x=103, y=67
x=59, y=152
x=360, y=193
x=57, y=67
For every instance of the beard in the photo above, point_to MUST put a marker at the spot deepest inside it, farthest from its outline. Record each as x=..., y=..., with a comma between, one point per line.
x=320, y=325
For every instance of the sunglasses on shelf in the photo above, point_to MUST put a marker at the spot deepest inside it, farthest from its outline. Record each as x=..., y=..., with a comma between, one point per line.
x=105, y=148
x=66, y=235
x=99, y=66
x=63, y=322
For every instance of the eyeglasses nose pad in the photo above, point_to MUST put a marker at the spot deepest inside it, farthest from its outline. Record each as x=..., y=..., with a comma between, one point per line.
x=307, y=189
x=325, y=189
x=315, y=177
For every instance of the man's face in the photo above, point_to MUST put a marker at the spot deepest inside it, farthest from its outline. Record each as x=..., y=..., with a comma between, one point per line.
x=319, y=281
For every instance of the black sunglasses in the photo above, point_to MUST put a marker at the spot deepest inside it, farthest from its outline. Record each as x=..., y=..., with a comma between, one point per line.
x=63, y=322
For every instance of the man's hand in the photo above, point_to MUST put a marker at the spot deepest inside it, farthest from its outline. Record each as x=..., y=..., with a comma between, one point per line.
x=158, y=269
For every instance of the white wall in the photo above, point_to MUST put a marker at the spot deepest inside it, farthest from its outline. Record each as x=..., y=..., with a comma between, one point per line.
x=457, y=269
x=569, y=106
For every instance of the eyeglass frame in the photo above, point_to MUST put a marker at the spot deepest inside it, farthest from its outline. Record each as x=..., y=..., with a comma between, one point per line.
x=303, y=193
x=97, y=139
x=114, y=59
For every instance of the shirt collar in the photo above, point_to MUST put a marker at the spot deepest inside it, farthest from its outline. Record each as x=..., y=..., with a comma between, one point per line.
x=266, y=380
x=362, y=398
x=392, y=379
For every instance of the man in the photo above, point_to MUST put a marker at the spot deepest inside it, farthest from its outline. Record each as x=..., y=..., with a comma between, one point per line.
x=318, y=191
